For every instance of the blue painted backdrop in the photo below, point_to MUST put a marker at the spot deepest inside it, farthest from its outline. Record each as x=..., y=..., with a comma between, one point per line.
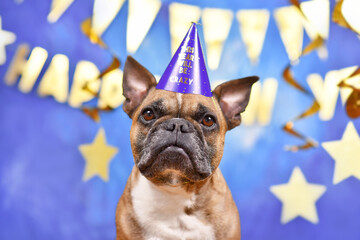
x=42, y=195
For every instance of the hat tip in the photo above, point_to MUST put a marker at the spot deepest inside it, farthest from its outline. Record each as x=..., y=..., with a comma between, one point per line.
x=195, y=23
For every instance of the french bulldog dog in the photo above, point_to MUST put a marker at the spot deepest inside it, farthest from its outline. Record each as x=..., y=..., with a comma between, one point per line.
x=176, y=190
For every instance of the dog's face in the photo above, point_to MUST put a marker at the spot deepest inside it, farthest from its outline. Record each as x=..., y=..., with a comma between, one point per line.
x=179, y=138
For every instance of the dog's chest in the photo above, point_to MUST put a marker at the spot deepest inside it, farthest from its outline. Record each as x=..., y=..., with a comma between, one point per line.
x=161, y=214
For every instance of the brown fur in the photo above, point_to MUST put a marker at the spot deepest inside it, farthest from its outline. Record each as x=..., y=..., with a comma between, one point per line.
x=213, y=197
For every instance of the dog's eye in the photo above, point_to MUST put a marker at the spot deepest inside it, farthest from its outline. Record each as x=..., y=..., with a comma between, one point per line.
x=208, y=121
x=148, y=115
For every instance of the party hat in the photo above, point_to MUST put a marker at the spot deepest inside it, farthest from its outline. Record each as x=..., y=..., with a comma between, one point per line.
x=186, y=72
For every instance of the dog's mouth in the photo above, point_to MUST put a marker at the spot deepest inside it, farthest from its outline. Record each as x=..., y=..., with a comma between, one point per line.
x=169, y=151
x=171, y=158
x=175, y=149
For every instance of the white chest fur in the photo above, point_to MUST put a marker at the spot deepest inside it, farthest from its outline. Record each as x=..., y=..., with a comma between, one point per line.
x=161, y=213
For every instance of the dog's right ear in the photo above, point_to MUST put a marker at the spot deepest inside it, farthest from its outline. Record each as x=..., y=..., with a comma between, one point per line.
x=137, y=81
x=233, y=97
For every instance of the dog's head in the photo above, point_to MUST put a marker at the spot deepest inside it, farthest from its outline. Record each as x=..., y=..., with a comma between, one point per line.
x=179, y=138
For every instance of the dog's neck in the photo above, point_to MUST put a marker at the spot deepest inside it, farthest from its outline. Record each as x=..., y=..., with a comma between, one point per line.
x=173, y=207
x=170, y=193
x=181, y=189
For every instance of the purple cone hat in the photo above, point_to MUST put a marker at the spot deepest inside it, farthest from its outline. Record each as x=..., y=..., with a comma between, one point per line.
x=186, y=72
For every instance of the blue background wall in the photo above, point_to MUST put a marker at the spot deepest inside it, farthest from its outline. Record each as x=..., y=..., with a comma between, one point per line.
x=42, y=194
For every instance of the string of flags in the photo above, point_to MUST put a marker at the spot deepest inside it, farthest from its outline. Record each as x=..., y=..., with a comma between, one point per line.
x=253, y=25
x=216, y=22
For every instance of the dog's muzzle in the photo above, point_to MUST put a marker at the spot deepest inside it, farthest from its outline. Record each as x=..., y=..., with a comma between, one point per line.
x=175, y=144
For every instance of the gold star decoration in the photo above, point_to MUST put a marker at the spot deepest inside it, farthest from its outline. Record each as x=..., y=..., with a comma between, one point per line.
x=298, y=197
x=97, y=157
x=346, y=153
x=6, y=38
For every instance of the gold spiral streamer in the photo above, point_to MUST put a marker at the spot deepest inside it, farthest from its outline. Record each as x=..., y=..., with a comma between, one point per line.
x=338, y=17
x=352, y=105
x=289, y=126
x=316, y=43
x=94, y=112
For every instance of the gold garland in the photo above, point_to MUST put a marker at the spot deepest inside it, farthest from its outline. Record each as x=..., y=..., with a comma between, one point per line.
x=315, y=106
x=94, y=112
x=338, y=17
x=352, y=105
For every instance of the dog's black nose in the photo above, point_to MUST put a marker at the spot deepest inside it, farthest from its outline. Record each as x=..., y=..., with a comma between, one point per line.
x=178, y=125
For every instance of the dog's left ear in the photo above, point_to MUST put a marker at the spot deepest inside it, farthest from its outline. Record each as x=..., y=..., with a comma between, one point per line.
x=233, y=97
x=137, y=81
